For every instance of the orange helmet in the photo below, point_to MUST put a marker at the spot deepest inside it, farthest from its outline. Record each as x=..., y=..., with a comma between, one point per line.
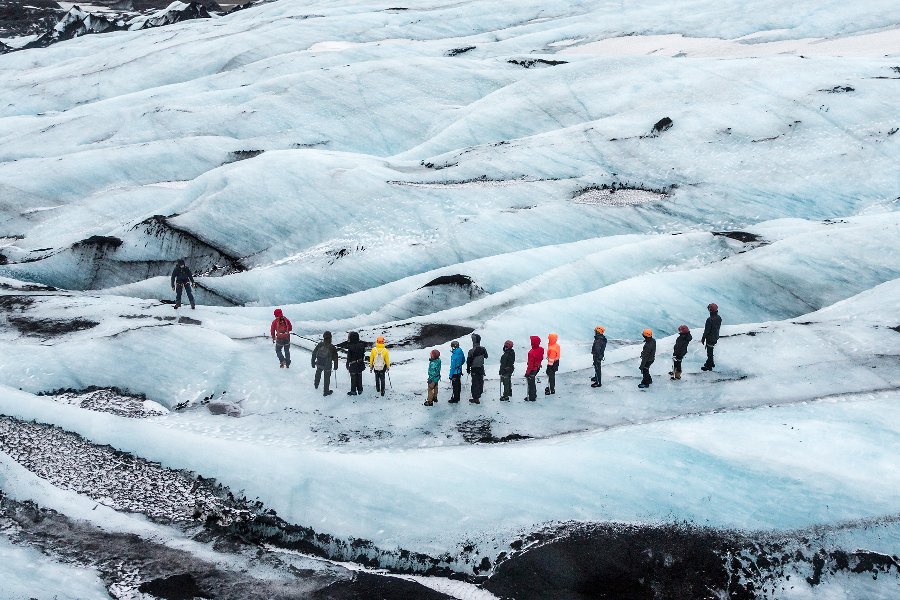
x=599, y=329
x=648, y=333
x=379, y=339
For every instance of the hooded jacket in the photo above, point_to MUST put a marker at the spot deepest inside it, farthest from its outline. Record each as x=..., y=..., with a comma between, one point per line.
x=552, y=349
x=379, y=348
x=535, y=356
x=711, y=330
x=508, y=361
x=273, y=330
x=457, y=360
x=434, y=370
x=681, y=344
x=356, y=353
x=598, y=350
x=325, y=355
x=181, y=274
x=648, y=352
x=477, y=354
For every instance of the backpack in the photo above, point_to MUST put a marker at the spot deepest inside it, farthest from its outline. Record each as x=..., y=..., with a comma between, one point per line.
x=281, y=327
x=379, y=360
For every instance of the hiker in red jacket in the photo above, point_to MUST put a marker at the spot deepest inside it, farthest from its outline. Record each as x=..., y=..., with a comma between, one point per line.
x=535, y=358
x=281, y=337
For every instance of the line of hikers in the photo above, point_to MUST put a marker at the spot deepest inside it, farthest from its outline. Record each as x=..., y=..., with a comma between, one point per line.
x=325, y=359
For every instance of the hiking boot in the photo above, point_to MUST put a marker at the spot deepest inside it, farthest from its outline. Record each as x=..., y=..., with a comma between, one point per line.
x=530, y=400
x=671, y=372
x=504, y=398
x=351, y=393
x=643, y=386
x=177, y=306
x=193, y=307
x=382, y=392
x=281, y=366
x=705, y=368
x=452, y=401
x=429, y=403
x=287, y=365
x=595, y=385
x=328, y=393
x=547, y=391
x=474, y=400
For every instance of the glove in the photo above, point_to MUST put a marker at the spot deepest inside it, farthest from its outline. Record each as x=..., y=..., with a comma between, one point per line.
x=468, y=371
x=173, y=288
x=371, y=369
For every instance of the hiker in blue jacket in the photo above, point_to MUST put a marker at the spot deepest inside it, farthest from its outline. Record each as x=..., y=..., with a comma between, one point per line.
x=457, y=360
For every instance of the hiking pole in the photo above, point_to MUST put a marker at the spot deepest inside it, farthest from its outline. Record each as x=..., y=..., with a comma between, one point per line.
x=389, y=378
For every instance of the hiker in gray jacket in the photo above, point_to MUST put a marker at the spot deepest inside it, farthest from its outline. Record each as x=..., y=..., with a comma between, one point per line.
x=324, y=359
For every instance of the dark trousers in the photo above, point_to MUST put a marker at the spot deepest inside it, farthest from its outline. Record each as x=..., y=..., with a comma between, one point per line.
x=379, y=381
x=506, y=384
x=283, y=351
x=456, y=382
x=319, y=371
x=676, y=366
x=647, y=380
x=532, y=388
x=187, y=288
x=709, y=356
x=356, y=382
x=477, y=382
x=597, y=368
x=551, y=376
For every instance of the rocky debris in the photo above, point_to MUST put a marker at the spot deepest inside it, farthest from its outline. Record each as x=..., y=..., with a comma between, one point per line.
x=741, y=236
x=460, y=280
x=529, y=63
x=131, y=566
x=618, y=195
x=118, y=479
x=101, y=241
x=3, y=50
x=663, y=124
x=50, y=327
x=458, y=51
x=613, y=560
x=839, y=89
x=220, y=407
x=109, y=400
x=478, y=431
x=243, y=155
x=434, y=335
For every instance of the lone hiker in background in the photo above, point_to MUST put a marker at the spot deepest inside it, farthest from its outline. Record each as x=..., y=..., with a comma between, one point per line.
x=598, y=350
x=324, y=358
x=281, y=337
x=475, y=367
x=681, y=345
x=457, y=360
x=434, y=376
x=552, y=363
x=182, y=279
x=380, y=363
x=711, y=335
x=648, y=355
x=507, y=366
x=356, y=362
x=535, y=358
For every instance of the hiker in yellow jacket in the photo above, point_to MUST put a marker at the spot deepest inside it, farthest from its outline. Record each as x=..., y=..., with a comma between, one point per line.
x=380, y=363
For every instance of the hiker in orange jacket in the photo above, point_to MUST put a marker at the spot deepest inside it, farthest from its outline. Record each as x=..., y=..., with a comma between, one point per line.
x=552, y=363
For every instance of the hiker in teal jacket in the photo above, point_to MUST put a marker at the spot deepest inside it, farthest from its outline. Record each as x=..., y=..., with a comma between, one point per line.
x=434, y=376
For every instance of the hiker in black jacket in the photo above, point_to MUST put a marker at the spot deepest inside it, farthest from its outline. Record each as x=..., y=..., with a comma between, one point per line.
x=475, y=368
x=711, y=336
x=648, y=355
x=598, y=350
x=681, y=345
x=356, y=362
x=507, y=366
x=182, y=279
x=324, y=358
